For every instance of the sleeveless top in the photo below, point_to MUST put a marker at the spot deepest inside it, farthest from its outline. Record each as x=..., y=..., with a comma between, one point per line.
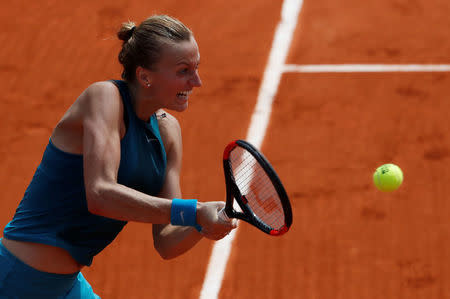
x=54, y=211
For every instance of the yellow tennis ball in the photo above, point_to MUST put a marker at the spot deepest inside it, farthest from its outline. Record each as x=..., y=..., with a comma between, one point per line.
x=388, y=177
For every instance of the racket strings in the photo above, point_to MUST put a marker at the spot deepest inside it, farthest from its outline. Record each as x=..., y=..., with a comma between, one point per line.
x=254, y=183
x=262, y=198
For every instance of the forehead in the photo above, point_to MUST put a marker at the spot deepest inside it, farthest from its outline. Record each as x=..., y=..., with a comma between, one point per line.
x=174, y=53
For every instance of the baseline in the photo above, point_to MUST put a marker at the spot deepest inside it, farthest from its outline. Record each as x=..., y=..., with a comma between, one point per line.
x=363, y=68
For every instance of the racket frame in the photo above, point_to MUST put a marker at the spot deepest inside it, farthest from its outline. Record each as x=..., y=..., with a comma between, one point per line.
x=233, y=193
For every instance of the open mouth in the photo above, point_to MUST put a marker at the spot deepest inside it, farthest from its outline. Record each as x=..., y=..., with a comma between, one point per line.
x=184, y=94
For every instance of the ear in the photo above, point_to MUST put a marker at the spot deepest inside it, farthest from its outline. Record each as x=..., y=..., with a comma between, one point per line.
x=143, y=76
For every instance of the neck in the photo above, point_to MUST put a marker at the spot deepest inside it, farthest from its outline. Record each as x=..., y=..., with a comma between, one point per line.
x=141, y=102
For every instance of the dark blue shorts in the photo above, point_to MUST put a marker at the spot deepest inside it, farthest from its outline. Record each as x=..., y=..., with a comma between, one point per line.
x=18, y=280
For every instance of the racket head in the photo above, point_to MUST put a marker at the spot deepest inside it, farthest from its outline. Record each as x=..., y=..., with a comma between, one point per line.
x=254, y=185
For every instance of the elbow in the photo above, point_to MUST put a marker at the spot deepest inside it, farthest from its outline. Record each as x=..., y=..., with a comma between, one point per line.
x=165, y=253
x=95, y=195
x=166, y=256
x=93, y=204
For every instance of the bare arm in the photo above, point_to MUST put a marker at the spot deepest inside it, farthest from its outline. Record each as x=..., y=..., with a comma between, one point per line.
x=102, y=119
x=171, y=241
x=102, y=116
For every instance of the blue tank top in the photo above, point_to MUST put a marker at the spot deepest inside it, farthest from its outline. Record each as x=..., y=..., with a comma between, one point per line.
x=54, y=210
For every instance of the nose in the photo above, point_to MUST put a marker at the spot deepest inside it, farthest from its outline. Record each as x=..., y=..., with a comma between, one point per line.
x=195, y=80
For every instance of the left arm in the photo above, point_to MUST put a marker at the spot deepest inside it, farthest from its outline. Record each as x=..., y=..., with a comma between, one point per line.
x=171, y=241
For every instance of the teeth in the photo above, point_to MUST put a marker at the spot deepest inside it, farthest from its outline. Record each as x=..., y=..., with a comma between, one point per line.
x=184, y=93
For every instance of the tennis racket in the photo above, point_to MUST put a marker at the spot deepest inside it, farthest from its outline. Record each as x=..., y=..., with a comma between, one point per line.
x=252, y=183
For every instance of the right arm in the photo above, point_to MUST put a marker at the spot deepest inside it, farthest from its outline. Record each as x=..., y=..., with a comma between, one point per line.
x=102, y=117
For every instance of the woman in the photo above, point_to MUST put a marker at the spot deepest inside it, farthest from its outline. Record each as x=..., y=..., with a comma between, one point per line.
x=114, y=157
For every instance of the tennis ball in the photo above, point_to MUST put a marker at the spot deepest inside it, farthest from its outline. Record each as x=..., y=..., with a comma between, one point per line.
x=388, y=177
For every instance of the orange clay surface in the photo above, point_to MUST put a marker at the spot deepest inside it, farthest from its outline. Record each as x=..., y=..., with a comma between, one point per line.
x=327, y=134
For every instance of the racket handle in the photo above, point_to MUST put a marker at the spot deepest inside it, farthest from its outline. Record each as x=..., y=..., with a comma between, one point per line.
x=223, y=215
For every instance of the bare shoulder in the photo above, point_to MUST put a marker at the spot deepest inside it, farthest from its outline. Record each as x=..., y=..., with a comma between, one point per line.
x=95, y=95
x=100, y=91
x=98, y=104
x=100, y=108
x=169, y=128
x=167, y=121
x=101, y=100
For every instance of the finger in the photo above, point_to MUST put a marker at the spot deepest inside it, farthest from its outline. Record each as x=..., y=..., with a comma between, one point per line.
x=220, y=205
x=213, y=235
x=234, y=223
x=222, y=236
x=223, y=215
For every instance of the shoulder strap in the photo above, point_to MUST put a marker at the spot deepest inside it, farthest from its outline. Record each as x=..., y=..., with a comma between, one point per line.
x=125, y=95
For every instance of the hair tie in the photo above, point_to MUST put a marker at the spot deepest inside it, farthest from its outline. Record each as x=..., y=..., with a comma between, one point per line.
x=132, y=31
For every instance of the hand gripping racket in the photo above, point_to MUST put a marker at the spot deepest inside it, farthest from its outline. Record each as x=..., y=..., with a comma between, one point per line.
x=252, y=182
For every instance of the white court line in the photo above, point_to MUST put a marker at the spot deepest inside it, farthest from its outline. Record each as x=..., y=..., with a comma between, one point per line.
x=256, y=132
x=352, y=68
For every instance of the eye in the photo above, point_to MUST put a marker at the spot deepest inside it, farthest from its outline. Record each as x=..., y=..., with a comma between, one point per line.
x=184, y=71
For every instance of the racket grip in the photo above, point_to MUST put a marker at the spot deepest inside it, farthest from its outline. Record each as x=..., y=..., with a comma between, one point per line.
x=223, y=215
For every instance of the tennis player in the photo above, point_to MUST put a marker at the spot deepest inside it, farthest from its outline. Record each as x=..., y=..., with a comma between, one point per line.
x=114, y=157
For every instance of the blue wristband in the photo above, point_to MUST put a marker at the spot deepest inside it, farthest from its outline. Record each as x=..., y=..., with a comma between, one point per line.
x=184, y=212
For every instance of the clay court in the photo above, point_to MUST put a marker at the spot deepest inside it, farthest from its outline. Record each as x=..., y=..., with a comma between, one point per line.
x=328, y=132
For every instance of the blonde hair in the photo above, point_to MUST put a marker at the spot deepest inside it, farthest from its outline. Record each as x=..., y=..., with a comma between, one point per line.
x=142, y=44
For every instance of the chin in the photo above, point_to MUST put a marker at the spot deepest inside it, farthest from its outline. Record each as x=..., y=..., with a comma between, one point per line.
x=180, y=108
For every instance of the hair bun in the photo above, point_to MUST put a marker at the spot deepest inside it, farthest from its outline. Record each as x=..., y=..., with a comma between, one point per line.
x=126, y=31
